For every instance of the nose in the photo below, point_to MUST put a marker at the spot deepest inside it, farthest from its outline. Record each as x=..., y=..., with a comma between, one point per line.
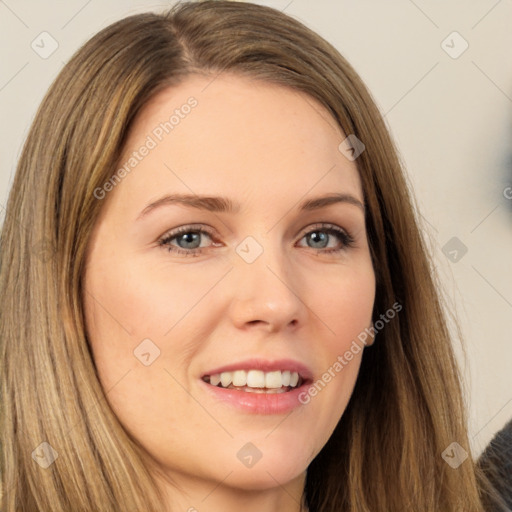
x=266, y=293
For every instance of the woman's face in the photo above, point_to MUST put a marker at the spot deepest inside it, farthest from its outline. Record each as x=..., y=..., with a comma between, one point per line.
x=251, y=275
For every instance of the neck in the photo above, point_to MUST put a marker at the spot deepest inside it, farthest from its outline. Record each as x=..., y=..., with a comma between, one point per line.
x=195, y=495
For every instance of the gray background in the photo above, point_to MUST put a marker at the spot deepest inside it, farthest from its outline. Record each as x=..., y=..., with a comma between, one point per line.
x=449, y=111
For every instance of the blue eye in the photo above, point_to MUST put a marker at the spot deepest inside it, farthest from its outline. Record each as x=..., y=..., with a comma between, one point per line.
x=321, y=236
x=187, y=239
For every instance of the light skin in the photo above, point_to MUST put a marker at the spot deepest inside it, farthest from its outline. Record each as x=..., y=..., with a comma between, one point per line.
x=268, y=149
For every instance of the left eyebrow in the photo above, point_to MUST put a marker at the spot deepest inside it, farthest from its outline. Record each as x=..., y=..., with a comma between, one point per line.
x=225, y=205
x=322, y=202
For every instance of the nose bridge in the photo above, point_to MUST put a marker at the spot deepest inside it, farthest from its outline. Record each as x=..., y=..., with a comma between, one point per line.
x=264, y=284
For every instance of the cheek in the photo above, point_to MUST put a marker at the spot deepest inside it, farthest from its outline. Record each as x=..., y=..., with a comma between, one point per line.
x=124, y=308
x=345, y=307
x=129, y=303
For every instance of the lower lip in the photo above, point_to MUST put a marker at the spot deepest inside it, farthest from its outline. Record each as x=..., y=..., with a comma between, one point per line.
x=258, y=403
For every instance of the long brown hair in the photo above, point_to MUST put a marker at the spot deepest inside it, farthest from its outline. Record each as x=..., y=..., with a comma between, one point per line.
x=407, y=406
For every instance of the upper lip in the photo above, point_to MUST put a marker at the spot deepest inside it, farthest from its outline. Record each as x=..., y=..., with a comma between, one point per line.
x=265, y=366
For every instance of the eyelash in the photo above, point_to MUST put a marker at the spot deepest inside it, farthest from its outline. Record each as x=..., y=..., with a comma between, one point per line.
x=345, y=237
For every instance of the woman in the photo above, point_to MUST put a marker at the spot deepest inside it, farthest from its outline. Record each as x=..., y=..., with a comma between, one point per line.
x=299, y=361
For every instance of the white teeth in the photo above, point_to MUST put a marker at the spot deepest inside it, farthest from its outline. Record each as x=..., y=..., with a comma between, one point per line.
x=215, y=380
x=225, y=379
x=256, y=379
x=239, y=378
x=273, y=379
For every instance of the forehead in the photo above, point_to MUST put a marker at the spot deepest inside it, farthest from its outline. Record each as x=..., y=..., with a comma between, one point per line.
x=233, y=133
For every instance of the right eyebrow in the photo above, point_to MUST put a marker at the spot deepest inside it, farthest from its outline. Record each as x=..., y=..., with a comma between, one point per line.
x=210, y=203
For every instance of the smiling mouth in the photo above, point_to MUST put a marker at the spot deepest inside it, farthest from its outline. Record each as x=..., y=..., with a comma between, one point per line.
x=256, y=381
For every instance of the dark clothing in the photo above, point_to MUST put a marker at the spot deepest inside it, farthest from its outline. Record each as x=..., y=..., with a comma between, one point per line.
x=496, y=462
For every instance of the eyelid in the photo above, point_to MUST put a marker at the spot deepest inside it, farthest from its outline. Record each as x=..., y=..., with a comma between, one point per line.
x=186, y=228
x=198, y=228
x=321, y=225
